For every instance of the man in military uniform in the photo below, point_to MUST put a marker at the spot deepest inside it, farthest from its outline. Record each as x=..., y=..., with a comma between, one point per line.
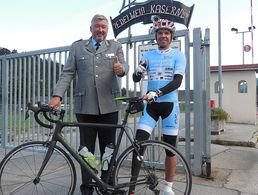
x=97, y=63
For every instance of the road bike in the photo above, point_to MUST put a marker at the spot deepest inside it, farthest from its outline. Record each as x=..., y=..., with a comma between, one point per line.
x=46, y=167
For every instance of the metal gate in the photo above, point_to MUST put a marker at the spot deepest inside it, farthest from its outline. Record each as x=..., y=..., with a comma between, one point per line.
x=31, y=76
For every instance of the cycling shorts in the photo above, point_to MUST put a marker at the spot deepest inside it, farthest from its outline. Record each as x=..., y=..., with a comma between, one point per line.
x=167, y=111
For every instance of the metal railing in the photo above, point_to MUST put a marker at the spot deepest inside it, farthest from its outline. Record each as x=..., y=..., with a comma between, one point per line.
x=31, y=77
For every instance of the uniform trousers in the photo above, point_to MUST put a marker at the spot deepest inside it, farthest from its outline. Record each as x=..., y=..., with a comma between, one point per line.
x=88, y=137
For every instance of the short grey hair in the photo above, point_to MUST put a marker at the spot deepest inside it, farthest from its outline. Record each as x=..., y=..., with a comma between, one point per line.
x=98, y=17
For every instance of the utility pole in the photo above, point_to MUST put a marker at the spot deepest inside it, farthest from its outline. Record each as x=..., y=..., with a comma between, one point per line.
x=219, y=57
x=252, y=28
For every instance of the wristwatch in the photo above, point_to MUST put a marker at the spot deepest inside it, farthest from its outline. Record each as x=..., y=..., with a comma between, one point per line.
x=159, y=93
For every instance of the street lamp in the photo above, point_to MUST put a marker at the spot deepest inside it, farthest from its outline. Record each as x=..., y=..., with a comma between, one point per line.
x=250, y=29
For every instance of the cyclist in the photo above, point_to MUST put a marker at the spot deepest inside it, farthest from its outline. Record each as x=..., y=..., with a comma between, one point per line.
x=165, y=68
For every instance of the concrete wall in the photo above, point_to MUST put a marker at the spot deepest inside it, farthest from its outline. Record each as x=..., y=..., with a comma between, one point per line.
x=240, y=106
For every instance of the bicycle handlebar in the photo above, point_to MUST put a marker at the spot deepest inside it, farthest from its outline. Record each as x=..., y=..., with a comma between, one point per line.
x=45, y=109
x=135, y=105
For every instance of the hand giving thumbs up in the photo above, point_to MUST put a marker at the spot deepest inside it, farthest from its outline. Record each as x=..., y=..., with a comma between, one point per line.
x=118, y=68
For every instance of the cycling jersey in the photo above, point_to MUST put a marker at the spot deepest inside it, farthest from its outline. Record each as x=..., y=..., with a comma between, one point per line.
x=161, y=68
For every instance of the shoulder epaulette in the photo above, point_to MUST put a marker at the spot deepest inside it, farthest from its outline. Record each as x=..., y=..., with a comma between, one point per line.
x=78, y=40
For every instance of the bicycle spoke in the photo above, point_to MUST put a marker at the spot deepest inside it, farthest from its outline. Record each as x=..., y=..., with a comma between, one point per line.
x=151, y=173
x=19, y=169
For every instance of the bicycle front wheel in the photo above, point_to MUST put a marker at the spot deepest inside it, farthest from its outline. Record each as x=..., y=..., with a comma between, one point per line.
x=150, y=178
x=20, y=167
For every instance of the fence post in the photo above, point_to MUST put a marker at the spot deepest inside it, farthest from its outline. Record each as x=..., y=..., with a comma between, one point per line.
x=201, y=102
x=198, y=102
x=5, y=79
x=207, y=109
x=187, y=100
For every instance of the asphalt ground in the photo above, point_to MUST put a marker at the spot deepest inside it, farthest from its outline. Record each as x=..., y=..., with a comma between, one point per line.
x=234, y=163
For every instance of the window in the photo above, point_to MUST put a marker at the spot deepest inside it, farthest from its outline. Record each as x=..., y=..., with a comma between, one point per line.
x=216, y=87
x=242, y=87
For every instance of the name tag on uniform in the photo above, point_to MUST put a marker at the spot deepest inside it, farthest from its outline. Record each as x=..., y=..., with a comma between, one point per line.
x=110, y=55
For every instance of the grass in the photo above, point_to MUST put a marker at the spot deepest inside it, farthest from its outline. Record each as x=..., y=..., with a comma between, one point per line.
x=18, y=125
x=234, y=143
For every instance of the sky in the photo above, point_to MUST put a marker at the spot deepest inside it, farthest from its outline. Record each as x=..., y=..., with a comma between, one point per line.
x=29, y=25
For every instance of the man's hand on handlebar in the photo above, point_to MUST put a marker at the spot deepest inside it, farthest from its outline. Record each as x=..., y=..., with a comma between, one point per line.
x=50, y=113
x=55, y=102
x=152, y=96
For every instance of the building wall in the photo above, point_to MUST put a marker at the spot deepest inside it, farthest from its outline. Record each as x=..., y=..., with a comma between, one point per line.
x=240, y=106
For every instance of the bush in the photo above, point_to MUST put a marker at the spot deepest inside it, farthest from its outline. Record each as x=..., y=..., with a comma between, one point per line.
x=219, y=114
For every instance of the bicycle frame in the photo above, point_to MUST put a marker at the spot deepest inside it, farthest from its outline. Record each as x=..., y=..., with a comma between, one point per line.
x=57, y=137
x=142, y=176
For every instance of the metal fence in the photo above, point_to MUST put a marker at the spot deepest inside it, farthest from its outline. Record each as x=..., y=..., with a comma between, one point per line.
x=31, y=76
x=28, y=77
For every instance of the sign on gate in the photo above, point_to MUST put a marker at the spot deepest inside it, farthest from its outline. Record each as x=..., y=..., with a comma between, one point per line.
x=135, y=12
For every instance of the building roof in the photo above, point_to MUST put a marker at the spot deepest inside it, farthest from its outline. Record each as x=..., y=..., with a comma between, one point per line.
x=230, y=68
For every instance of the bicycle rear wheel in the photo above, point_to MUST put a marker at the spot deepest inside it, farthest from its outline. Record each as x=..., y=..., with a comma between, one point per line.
x=20, y=166
x=151, y=178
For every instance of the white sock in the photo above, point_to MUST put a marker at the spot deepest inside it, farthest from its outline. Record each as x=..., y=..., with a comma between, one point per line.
x=168, y=186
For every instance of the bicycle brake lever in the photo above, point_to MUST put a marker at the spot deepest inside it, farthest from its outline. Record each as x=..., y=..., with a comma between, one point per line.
x=44, y=107
x=32, y=108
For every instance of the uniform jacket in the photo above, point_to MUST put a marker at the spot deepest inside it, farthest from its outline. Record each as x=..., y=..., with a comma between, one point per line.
x=96, y=83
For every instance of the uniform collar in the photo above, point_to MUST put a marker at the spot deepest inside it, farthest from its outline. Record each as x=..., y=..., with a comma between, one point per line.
x=93, y=42
x=90, y=44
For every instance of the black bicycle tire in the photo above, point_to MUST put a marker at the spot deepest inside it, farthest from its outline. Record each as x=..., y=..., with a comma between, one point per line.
x=21, y=148
x=153, y=143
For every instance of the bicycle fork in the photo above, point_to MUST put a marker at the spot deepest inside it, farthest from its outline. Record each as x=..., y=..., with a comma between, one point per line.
x=50, y=150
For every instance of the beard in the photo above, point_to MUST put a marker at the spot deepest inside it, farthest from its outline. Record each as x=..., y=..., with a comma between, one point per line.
x=164, y=46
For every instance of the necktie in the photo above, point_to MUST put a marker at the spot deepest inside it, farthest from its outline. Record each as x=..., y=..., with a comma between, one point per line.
x=97, y=45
